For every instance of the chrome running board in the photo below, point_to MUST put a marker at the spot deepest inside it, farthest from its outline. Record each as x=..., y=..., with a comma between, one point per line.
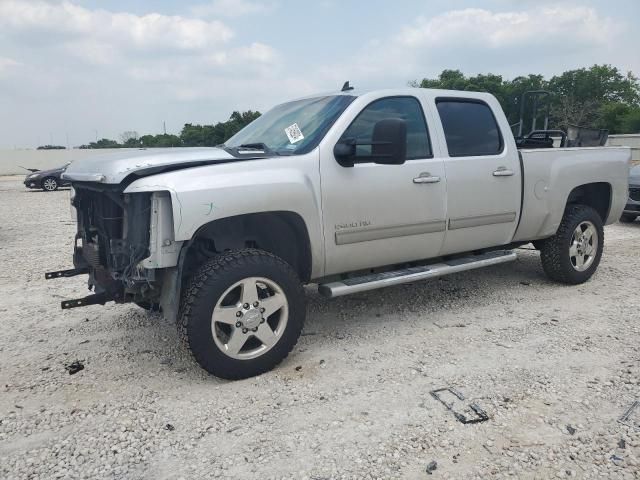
x=413, y=274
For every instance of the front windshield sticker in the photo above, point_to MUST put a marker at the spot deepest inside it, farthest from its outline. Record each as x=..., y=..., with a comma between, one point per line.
x=294, y=133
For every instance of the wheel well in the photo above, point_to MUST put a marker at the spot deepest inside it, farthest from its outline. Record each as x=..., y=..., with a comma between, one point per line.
x=282, y=233
x=595, y=195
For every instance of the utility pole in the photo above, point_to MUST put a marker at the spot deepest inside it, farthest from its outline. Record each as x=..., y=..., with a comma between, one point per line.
x=164, y=127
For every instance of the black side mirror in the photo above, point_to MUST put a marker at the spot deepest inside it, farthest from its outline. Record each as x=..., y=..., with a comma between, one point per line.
x=388, y=145
x=389, y=142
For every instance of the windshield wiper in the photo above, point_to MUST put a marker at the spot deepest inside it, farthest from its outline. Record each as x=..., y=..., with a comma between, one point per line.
x=254, y=146
x=250, y=147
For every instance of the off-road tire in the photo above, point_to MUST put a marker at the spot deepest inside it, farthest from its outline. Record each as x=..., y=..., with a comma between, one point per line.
x=53, y=181
x=628, y=218
x=205, y=289
x=554, y=251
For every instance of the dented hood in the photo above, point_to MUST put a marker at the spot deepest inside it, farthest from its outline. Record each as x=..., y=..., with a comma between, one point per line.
x=116, y=167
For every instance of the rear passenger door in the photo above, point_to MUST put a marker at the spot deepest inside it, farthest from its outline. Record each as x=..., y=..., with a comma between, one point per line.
x=483, y=175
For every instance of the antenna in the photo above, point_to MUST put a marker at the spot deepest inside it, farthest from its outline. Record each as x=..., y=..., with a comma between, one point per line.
x=346, y=87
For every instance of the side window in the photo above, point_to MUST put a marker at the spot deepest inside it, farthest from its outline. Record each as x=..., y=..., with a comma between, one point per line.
x=469, y=128
x=405, y=108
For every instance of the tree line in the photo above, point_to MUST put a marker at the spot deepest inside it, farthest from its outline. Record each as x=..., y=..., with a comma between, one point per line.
x=598, y=97
x=190, y=136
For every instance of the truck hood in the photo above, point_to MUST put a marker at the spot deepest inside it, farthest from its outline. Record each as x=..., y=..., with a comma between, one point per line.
x=116, y=167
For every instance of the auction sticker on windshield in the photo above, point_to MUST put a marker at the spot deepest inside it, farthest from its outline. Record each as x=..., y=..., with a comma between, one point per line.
x=293, y=133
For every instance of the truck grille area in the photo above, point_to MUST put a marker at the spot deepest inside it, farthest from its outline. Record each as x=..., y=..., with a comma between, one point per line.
x=113, y=231
x=634, y=193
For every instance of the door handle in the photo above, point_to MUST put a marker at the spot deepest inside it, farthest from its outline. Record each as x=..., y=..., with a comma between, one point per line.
x=426, y=177
x=503, y=172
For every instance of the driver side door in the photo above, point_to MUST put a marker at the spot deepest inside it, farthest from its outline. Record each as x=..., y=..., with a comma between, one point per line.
x=373, y=214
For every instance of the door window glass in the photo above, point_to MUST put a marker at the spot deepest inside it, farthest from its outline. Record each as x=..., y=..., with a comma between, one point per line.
x=405, y=108
x=469, y=128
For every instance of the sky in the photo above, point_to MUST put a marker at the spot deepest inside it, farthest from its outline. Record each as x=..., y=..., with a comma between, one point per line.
x=72, y=71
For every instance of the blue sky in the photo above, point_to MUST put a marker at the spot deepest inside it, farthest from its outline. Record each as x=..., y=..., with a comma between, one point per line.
x=69, y=69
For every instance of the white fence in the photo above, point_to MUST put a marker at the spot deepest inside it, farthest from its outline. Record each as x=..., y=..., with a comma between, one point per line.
x=630, y=140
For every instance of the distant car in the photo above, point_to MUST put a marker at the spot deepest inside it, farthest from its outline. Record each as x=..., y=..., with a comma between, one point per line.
x=47, y=180
x=632, y=209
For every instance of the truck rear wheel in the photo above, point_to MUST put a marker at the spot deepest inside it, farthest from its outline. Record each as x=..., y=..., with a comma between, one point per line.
x=573, y=254
x=628, y=218
x=242, y=313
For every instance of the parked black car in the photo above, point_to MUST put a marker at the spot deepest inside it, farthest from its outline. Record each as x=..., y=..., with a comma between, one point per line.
x=632, y=210
x=47, y=180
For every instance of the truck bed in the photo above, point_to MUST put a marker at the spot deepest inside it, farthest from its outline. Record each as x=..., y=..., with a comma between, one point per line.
x=550, y=175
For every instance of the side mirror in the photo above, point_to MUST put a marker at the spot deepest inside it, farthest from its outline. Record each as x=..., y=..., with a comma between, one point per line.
x=389, y=142
x=388, y=145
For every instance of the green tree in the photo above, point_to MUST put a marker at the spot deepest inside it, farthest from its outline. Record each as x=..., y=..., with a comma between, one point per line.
x=51, y=147
x=600, y=96
x=630, y=122
x=102, y=143
x=212, y=135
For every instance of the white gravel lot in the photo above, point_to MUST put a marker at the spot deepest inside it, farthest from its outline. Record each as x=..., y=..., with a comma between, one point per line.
x=351, y=401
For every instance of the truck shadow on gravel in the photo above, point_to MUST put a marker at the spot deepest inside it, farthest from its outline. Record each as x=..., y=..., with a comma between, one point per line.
x=451, y=293
x=151, y=343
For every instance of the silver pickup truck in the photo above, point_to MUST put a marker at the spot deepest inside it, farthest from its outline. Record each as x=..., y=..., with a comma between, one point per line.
x=351, y=191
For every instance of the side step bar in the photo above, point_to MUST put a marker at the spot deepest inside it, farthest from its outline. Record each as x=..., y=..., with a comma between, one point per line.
x=413, y=274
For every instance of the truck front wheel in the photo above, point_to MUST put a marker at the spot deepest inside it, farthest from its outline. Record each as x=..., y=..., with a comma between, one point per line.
x=573, y=254
x=242, y=313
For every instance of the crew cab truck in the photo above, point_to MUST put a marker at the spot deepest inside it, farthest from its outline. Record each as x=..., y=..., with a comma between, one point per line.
x=350, y=191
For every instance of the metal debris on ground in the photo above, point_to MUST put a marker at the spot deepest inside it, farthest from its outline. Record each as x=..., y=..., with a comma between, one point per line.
x=571, y=430
x=631, y=418
x=471, y=413
x=74, y=367
x=433, y=465
x=616, y=460
x=169, y=427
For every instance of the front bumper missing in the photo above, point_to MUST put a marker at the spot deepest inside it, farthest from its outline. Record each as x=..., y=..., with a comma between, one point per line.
x=95, y=299
x=66, y=273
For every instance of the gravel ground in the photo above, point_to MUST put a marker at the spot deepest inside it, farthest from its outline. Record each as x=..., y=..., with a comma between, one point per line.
x=553, y=366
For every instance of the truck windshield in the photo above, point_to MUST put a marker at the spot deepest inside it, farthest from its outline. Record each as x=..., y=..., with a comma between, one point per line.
x=291, y=128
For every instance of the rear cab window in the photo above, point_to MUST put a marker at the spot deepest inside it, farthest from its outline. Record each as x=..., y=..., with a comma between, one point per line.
x=470, y=128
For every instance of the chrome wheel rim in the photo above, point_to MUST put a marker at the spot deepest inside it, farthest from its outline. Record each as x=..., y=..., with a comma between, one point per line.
x=249, y=318
x=50, y=184
x=584, y=246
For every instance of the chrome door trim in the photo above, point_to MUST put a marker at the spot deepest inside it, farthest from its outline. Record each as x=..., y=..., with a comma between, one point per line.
x=479, y=221
x=357, y=235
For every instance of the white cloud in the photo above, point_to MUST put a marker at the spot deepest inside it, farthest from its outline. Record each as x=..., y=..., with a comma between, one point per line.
x=230, y=8
x=545, y=40
x=106, y=33
x=7, y=64
x=83, y=69
x=474, y=27
x=68, y=68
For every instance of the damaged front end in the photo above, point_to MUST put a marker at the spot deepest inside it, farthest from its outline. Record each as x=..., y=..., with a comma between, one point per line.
x=112, y=240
